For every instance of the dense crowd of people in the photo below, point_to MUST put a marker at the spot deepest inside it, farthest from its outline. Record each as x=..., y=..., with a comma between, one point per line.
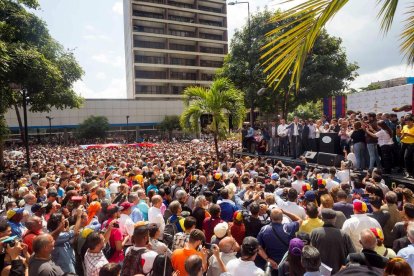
x=178, y=209
x=376, y=140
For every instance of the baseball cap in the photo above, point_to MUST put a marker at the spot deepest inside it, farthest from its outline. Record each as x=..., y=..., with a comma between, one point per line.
x=238, y=216
x=220, y=230
x=310, y=196
x=306, y=187
x=274, y=176
x=112, y=209
x=125, y=205
x=295, y=247
x=360, y=206
x=36, y=207
x=12, y=212
x=378, y=233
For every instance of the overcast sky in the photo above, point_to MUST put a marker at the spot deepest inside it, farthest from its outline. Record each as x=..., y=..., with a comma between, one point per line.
x=94, y=29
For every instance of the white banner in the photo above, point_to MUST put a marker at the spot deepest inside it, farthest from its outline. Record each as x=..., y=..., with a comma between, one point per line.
x=381, y=100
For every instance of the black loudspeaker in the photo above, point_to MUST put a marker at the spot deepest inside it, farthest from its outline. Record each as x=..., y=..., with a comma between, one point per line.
x=329, y=159
x=311, y=156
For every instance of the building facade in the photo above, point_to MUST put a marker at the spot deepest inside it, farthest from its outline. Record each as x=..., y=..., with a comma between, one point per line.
x=172, y=44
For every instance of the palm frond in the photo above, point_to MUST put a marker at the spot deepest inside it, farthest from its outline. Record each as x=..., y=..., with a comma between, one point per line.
x=191, y=114
x=194, y=93
x=407, y=36
x=387, y=13
x=292, y=41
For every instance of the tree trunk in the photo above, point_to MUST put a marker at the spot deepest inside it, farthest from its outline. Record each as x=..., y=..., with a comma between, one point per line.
x=216, y=145
x=19, y=119
x=1, y=155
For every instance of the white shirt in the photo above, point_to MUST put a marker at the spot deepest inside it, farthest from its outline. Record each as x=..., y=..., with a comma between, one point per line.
x=354, y=226
x=274, y=131
x=155, y=216
x=343, y=176
x=291, y=207
x=297, y=185
x=312, y=131
x=295, y=130
x=126, y=225
x=281, y=130
x=148, y=258
x=330, y=183
x=384, y=138
x=239, y=267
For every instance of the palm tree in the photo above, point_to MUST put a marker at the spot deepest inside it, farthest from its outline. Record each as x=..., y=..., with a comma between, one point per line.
x=293, y=40
x=221, y=101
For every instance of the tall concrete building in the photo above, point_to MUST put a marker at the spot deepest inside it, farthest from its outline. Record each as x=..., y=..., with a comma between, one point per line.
x=172, y=44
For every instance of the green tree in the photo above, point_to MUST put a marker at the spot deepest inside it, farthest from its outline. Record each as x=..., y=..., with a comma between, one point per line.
x=285, y=55
x=169, y=124
x=34, y=62
x=372, y=86
x=309, y=110
x=220, y=101
x=326, y=73
x=93, y=127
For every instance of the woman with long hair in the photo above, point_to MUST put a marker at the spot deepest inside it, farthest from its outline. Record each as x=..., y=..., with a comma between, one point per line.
x=385, y=142
x=291, y=264
x=359, y=145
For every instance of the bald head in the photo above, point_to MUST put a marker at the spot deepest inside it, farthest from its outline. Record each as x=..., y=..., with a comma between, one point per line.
x=155, y=200
x=34, y=224
x=368, y=239
x=43, y=244
x=228, y=245
x=276, y=215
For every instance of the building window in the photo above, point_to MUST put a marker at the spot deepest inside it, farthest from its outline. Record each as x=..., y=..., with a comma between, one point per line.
x=183, y=76
x=149, y=44
x=149, y=59
x=150, y=75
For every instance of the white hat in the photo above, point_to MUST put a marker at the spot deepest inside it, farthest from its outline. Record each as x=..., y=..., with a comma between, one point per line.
x=221, y=230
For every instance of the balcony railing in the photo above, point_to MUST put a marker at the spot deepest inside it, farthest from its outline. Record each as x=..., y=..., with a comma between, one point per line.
x=209, y=63
x=207, y=77
x=210, y=9
x=181, y=18
x=150, y=59
x=211, y=36
x=183, y=61
x=211, y=50
x=153, y=1
x=148, y=14
x=182, y=33
x=148, y=30
x=177, y=90
x=149, y=44
x=211, y=23
x=179, y=47
x=150, y=75
x=183, y=76
x=151, y=89
x=181, y=5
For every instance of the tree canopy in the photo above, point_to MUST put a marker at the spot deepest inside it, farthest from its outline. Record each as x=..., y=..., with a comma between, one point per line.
x=93, y=127
x=32, y=60
x=221, y=101
x=326, y=72
x=286, y=53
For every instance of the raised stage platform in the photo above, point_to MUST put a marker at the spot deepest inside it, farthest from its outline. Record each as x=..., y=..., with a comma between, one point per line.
x=389, y=178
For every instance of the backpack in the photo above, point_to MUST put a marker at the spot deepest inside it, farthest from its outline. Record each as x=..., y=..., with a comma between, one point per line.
x=170, y=230
x=133, y=262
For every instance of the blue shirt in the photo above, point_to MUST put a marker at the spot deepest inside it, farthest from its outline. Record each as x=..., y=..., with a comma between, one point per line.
x=143, y=207
x=136, y=214
x=152, y=187
x=17, y=228
x=407, y=253
x=276, y=247
x=63, y=254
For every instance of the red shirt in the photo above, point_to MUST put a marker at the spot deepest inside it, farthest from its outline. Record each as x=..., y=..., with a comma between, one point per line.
x=208, y=227
x=28, y=239
x=238, y=231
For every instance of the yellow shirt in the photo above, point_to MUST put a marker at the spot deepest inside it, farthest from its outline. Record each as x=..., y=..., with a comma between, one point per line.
x=408, y=139
x=310, y=224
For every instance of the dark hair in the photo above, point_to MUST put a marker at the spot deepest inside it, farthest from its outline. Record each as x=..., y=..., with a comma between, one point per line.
x=375, y=201
x=196, y=235
x=54, y=221
x=224, y=193
x=189, y=222
x=384, y=126
x=409, y=210
x=312, y=210
x=93, y=240
x=152, y=229
x=295, y=265
x=110, y=269
x=341, y=194
x=214, y=210
x=4, y=226
x=292, y=194
x=160, y=262
x=373, y=189
x=249, y=247
x=254, y=208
